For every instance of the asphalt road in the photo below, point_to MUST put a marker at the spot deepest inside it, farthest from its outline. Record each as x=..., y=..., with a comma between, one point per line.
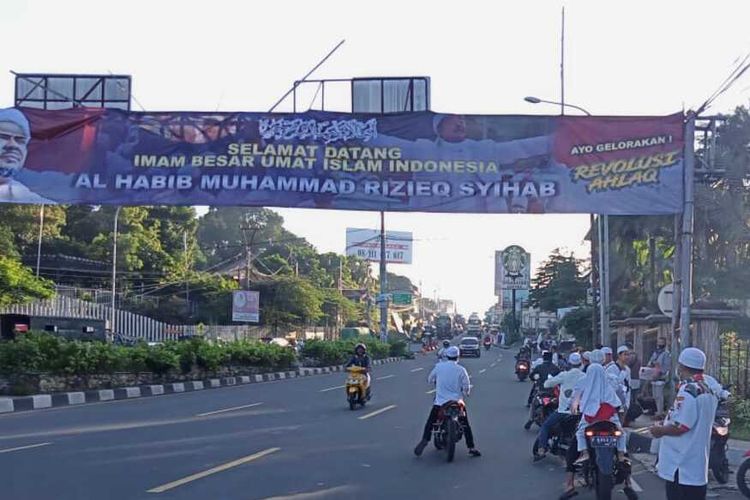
x=291, y=439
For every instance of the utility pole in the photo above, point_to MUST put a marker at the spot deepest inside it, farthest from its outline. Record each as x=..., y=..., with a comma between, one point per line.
x=383, y=283
x=187, y=282
x=39, y=242
x=686, y=259
x=114, y=273
x=252, y=226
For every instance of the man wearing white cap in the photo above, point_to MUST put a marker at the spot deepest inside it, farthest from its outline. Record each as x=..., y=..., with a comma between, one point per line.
x=607, y=357
x=686, y=431
x=567, y=381
x=15, y=134
x=620, y=376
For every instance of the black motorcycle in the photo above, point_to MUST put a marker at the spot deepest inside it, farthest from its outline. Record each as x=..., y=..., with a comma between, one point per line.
x=544, y=403
x=561, y=437
x=717, y=458
x=602, y=471
x=447, y=429
x=522, y=369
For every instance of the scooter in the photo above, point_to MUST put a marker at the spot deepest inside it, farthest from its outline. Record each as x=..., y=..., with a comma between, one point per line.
x=743, y=475
x=357, y=392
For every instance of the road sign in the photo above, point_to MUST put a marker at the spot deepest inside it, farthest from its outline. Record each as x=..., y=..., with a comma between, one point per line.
x=401, y=298
x=665, y=299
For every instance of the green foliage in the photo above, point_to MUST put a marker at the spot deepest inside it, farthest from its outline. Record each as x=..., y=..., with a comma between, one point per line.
x=512, y=326
x=578, y=324
x=558, y=283
x=18, y=284
x=399, y=348
x=339, y=351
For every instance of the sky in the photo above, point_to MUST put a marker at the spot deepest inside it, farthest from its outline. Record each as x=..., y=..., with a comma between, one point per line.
x=630, y=58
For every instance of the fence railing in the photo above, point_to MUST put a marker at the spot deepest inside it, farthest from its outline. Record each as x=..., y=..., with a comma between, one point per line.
x=734, y=364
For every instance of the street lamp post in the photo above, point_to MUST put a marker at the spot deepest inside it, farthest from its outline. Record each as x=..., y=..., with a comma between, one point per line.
x=603, y=237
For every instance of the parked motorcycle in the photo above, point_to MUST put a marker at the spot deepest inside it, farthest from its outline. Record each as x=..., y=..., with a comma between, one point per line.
x=447, y=429
x=743, y=475
x=602, y=471
x=522, y=369
x=717, y=458
x=356, y=387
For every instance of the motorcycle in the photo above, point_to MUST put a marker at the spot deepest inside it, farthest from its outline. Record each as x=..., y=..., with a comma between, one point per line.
x=522, y=369
x=356, y=387
x=545, y=403
x=561, y=436
x=743, y=481
x=487, y=344
x=447, y=429
x=717, y=458
x=602, y=471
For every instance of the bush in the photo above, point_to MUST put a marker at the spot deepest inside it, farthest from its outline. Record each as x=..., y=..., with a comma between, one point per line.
x=398, y=348
x=336, y=352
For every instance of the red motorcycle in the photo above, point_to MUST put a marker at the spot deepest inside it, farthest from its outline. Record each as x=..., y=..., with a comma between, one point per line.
x=447, y=429
x=487, y=343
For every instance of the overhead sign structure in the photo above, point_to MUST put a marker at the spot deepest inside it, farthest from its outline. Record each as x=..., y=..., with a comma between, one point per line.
x=420, y=161
x=246, y=306
x=512, y=269
x=365, y=244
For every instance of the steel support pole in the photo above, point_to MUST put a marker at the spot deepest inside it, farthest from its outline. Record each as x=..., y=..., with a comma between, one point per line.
x=600, y=241
x=605, y=325
x=114, y=272
x=383, y=283
x=686, y=259
x=39, y=242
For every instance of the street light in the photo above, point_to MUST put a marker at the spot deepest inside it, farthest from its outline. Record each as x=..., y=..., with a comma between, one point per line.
x=536, y=100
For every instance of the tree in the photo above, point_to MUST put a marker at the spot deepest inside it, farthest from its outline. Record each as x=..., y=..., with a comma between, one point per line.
x=18, y=284
x=289, y=301
x=558, y=283
x=578, y=324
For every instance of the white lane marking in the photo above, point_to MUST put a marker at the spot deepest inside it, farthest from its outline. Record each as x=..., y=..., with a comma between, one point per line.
x=493, y=365
x=482, y=370
x=385, y=377
x=228, y=409
x=27, y=447
x=417, y=369
x=213, y=470
x=377, y=412
x=432, y=391
x=635, y=485
x=332, y=388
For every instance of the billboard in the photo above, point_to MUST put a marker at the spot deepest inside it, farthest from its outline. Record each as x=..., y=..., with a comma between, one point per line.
x=246, y=306
x=416, y=161
x=512, y=269
x=365, y=244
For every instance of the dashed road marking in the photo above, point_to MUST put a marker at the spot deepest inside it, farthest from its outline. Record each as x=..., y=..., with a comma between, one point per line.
x=377, y=412
x=385, y=377
x=213, y=470
x=228, y=409
x=635, y=485
x=493, y=365
x=417, y=369
x=482, y=370
x=332, y=388
x=27, y=447
x=432, y=391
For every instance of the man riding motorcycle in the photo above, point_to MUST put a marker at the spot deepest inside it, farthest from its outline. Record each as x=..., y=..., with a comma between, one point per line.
x=451, y=384
x=361, y=359
x=538, y=375
x=441, y=353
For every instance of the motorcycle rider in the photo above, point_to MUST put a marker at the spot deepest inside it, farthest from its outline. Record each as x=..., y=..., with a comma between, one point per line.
x=543, y=371
x=451, y=384
x=686, y=432
x=361, y=359
x=567, y=381
x=441, y=351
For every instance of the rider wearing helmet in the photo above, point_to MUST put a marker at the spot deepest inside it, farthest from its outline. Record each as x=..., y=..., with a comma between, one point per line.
x=451, y=384
x=361, y=359
x=441, y=351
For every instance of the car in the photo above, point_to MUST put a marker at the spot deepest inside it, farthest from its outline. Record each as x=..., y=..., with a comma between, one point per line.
x=469, y=346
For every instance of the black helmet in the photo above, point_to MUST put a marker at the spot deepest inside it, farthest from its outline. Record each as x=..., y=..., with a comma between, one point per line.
x=446, y=343
x=357, y=347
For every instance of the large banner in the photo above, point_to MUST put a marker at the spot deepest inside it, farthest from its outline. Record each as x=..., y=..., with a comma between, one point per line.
x=399, y=162
x=365, y=244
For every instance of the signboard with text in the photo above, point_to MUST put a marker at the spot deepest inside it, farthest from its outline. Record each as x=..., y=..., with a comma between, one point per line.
x=246, y=306
x=365, y=244
x=512, y=269
x=419, y=161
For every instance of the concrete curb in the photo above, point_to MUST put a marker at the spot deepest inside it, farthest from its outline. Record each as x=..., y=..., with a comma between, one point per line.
x=41, y=401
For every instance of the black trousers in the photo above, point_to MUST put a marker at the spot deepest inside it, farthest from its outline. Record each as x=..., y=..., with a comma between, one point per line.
x=677, y=491
x=427, y=434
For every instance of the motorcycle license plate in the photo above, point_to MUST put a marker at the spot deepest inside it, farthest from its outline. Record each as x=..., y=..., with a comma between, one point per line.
x=604, y=441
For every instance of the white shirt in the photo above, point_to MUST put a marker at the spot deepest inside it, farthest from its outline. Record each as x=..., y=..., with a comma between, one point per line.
x=621, y=380
x=451, y=382
x=688, y=453
x=567, y=381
